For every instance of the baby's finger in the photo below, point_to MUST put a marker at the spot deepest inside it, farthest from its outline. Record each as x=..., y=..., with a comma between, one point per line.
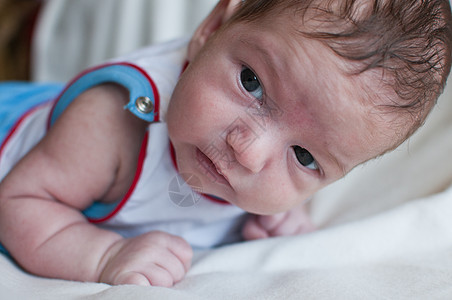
x=182, y=250
x=158, y=276
x=252, y=230
x=293, y=224
x=175, y=267
x=132, y=278
x=272, y=221
x=151, y=275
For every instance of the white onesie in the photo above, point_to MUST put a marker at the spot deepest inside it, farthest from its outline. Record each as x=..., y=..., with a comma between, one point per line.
x=158, y=199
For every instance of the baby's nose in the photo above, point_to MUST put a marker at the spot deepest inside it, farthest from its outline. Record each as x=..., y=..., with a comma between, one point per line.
x=247, y=147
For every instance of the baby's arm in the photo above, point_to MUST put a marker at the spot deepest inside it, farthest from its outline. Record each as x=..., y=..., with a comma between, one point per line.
x=89, y=154
x=292, y=222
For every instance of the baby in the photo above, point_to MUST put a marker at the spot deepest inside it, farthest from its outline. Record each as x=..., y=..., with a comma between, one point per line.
x=269, y=101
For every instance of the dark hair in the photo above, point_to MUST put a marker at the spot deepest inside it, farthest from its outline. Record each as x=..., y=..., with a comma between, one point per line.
x=410, y=40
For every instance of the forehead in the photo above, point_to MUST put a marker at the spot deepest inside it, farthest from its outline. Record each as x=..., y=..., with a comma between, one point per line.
x=314, y=90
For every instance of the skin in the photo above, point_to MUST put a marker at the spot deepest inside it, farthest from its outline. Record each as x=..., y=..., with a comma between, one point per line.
x=319, y=109
x=248, y=140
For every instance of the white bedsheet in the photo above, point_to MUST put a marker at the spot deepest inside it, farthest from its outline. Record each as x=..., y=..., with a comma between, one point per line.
x=385, y=232
x=405, y=253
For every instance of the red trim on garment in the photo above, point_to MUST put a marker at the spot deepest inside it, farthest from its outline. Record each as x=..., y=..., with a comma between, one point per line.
x=209, y=197
x=143, y=150
x=17, y=125
x=129, y=193
x=151, y=82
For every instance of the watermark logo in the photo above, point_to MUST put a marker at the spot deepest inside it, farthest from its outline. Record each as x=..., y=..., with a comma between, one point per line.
x=185, y=193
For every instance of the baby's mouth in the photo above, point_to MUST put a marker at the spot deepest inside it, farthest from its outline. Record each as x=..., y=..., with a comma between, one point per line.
x=210, y=168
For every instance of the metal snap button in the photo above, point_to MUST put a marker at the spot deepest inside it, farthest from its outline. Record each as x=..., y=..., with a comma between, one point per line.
x=144, y=104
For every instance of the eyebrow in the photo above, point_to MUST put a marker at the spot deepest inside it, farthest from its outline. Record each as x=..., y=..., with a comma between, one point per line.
x=269, y=60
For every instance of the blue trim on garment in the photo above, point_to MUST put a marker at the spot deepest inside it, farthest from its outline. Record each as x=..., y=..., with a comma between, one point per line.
x=125, y=75
x=3, y=250
x=129, y=77
x=100, y=210
x=19, y=97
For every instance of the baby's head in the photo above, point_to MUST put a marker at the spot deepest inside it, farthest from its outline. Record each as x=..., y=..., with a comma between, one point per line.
x=282, y=97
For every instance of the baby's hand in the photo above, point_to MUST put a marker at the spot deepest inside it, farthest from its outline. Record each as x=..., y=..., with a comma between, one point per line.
x=292, y=222
x=154, y=258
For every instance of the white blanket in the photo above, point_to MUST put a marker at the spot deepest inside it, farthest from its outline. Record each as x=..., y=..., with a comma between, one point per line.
x=385, y=232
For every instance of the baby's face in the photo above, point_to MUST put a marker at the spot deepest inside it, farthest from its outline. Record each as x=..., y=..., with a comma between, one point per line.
x=265, y=119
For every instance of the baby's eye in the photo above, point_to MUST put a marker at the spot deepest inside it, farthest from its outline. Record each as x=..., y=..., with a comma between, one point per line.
x=305, y=158
x=251, y=83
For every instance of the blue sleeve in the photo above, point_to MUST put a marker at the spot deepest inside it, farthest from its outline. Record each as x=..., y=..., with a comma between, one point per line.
x=143, y=101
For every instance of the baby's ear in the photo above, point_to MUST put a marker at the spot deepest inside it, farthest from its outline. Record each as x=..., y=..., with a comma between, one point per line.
x=217, y=17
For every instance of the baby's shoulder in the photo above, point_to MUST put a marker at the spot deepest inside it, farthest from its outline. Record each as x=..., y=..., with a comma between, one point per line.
x=109, y=136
